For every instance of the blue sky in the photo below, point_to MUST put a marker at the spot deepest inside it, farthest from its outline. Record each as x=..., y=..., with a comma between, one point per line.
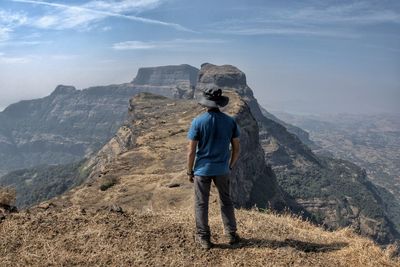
x=299, y=56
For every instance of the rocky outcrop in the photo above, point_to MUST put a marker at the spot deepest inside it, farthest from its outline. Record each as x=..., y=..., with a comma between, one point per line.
x=335, y=192
x=304, y=136
x=153, y=143
x=231, y=78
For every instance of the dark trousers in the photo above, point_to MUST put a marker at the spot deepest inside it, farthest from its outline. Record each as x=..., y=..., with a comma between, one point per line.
x=202, y=186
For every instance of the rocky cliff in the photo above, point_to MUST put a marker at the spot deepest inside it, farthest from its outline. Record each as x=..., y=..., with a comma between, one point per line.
x=149, y=151
x=337, y=193
x=303, y=135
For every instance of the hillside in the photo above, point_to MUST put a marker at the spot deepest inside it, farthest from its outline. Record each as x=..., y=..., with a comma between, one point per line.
x=71, y=124
x=146, y=160
x=43, y=182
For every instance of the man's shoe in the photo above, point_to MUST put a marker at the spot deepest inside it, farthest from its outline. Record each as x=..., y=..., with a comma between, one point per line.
x=233, y=238
x=204, y=243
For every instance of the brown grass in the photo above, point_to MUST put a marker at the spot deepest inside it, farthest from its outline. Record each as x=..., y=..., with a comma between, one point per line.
x=71, y=236
x=7, y=196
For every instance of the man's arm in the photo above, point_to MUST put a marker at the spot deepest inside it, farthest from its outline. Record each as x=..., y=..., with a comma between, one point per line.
x=191, y=155
x=235, y=151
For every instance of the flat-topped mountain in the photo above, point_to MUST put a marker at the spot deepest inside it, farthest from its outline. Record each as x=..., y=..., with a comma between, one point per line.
x=167, y=75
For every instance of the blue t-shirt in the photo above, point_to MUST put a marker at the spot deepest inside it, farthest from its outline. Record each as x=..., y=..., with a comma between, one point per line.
x=214, y=130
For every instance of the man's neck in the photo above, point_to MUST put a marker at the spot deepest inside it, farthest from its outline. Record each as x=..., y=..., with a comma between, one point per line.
x=213, y=110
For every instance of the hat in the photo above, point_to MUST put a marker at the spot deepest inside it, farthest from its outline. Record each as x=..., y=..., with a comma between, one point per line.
x=213, y=98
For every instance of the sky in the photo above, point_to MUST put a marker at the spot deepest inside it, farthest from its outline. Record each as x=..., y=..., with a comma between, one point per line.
x=303, y=57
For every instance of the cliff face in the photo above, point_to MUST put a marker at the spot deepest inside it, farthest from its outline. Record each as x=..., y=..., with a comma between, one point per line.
x=171, y=81
x=231, y=78
x=303, y=135
x=149, y=151
x=70, y=124
x=336, y=193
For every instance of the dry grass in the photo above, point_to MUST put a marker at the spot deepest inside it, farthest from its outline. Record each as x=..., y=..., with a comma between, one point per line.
x=7, y=196
x=74, y=237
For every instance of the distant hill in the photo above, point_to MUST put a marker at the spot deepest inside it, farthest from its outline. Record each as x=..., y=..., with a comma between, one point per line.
x=71, y=124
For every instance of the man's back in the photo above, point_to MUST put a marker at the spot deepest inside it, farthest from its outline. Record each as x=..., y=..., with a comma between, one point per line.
x=214, y=131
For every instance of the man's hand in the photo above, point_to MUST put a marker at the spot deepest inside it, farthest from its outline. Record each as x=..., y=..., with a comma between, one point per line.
x=190, y=176
x=190, y=159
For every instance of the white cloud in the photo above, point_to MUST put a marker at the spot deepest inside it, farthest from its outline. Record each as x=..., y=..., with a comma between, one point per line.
x=140, y=45
x=349, y=14
x=123, y=6
x=325, y=21
x=9, y=21
x=13, y=60
x=4, y=34
x=134, y=45
x=12, y=19
x=65, y=16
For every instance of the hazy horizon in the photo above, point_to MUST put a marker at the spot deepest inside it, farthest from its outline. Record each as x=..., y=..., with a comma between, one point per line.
x=299, y=56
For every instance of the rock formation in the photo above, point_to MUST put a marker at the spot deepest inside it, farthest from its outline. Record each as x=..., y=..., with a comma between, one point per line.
x=337, y=193
x=152, y=144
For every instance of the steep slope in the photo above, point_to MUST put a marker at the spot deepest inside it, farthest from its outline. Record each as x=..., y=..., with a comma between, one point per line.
x=70, y=124
x=304, y=136
x=145, y=163
x=336, y=192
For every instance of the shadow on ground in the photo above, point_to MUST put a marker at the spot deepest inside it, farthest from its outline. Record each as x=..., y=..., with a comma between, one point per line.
x=274, y=244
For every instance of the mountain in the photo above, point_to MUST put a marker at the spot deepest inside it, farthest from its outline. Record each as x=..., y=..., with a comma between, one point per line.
x=149, y=152
x=336, y=192
x=136, y=207
x=71, y=124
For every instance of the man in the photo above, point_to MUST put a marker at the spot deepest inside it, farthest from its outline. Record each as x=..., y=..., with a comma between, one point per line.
x=209, y=159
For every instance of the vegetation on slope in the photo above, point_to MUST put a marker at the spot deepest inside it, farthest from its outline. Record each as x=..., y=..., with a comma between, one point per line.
x=43, y=182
